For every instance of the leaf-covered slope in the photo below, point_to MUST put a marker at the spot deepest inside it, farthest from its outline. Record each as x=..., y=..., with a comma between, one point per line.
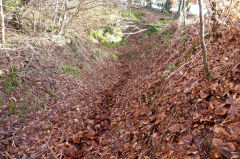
x=153, y=102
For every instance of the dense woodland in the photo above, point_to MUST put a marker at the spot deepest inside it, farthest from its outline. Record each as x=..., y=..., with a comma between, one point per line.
x=120, y=79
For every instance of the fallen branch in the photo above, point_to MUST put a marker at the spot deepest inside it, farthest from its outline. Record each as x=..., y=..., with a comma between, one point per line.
x=132, y=33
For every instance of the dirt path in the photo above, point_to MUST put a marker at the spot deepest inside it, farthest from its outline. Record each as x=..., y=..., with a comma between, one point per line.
x=81, y=123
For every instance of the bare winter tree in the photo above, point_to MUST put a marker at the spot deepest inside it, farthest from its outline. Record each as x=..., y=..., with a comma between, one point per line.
x=202, y=28
x=3, y=23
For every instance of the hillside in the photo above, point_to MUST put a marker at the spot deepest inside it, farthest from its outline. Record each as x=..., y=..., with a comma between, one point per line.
x=142, y=96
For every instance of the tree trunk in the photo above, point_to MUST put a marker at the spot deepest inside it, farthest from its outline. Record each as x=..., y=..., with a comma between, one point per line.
x=179, y=12
x=202, y=28
x=64, y=21
x=184, y=12
x=214, y=18
x=149, y=4
x=56, y=14
x=167, y=6
x=3, y=23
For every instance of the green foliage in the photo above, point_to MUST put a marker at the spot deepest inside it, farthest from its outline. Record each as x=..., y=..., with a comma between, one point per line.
x=131, y=54
x=165, y=38
x=42, y=107
x=194, y=48
x=167, y=34
x=153, y=101
x=108, y=30
x=70, y=69
x=52, y=95
x=74, y=49
x=119, y=55
x=118, y=128
x=11, y=107
x=115, y=57
x=8, y=87
x=11, y=79
x=185, y=37
x=151, y=29
x=109, y=36
x=149, y=48
x=13, y=4
x=43, y=96
x=137, y=13
x=142, y=55
x=177, y=63
x=143, y=99
x=164, y=21
x=95, y=56
x=170, y=67
x=1, y=98
x=123, y=42
x=154, y=29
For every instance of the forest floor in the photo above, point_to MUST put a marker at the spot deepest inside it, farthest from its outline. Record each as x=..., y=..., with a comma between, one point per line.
x=153, y=102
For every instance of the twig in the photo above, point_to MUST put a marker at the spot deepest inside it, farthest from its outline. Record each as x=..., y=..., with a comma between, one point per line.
x=235, y=66
x=10, y=138
x=229, y=11
x=195, y=58
x=178, y=69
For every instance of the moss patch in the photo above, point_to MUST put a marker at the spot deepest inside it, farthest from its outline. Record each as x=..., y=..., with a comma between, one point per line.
x=132, y=14
x=109, y=36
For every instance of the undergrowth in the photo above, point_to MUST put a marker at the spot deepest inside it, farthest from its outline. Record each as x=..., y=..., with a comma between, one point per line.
x=132, y=14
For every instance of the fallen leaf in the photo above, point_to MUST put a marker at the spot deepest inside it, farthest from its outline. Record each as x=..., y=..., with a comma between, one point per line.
x=225, y=153
x=233, y=112
x=91, y=131
x=187, y=139
x=220, y=131
x=175, y=128
x=196, y=156
x=221, y=111
x=216, y=143
x=214, y=86
x=219, y=144
x=203, y=95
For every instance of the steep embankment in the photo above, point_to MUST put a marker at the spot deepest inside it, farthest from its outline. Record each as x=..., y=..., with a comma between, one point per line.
x=153, y=102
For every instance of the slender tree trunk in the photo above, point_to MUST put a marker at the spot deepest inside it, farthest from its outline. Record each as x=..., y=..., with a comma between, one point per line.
x=202, y=28
x=61, y=17
x=3, y=23
x=181, y=14
x=178, y=14
x=166, y=7
x=56, y=14
x=184, y=12
x=63, y=25
x=215, y=24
